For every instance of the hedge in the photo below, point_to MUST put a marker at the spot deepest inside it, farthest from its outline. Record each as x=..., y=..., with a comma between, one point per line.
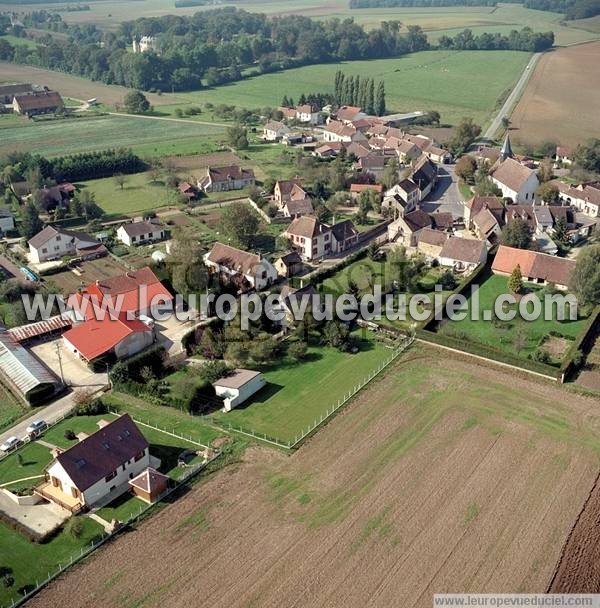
x=129, y=370
x=488, y=352
x=581, y=343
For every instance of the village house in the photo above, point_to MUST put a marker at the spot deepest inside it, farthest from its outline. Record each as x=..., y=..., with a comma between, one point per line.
x=349, y=114
x=98, y=468
x=406, y=151
x=564, y=155
x=289, y=265
x=535, y=267
x=243, y=269
x=356, y=189
x=222, y=179
x=108, y=334
x=329, y=150
x=138, y=292
x=35, y=104
x=238, y=386
x=484, y=216
x=402, y=198
x=584, y=197
x=315, y=240
x=145, y=44
x=406, y=228
x=274, y=131
x=9, y=91
x=463, y=254
x=373, y=163
x=424, y=174
x=344, y=236
x=438, y=155
x=55, y=243
x=305, y=113
x=51, y=197
x=296, y=208
x=336, y=131
x=140, y=232
x=430, y=243
x=7, y=221
x=515, y=179
x=288, y=190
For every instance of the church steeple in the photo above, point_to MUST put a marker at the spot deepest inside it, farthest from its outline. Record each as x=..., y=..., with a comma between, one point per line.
x=506, y=151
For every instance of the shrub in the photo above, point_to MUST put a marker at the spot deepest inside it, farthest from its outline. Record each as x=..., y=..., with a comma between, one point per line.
x=298, y=350
x=70, y=435
x=130, y=369
x=74, y=527
x=541, y=356
x=92, y=407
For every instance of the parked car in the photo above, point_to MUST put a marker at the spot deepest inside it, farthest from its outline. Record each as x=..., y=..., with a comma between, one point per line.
x=36, y=427
x=12, y=443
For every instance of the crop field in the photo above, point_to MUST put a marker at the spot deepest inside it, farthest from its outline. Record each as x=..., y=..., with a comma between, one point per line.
x=145, y=136
x=109, y=14
x=503, y=336
x=297, y=393
x=548, y=109
x=435, y=462
x=457, y=84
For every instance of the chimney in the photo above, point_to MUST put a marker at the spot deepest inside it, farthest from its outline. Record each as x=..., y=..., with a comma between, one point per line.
x=97, y=282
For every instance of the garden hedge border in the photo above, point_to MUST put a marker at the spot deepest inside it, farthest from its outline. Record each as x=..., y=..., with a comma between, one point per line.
x=568, y=366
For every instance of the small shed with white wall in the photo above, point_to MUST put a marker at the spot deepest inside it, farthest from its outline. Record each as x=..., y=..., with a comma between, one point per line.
x=238, y=386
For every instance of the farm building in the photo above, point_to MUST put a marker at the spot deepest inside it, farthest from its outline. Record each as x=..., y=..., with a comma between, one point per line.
x=238, y=386
x=29, y=378
x=34, y=104
x=289, y=264
x=98, y=468
x=535, y=267
x=8, y=92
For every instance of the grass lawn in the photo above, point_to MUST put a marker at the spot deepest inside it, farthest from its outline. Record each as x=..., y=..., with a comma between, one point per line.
x=31, y=562
x=298, y=392
x=503, y=337
x=10, y=407
x=457, y=84
x=138, y=194
x=123, y=508
x=77, y=424
x=145, y=136
x=35, y=458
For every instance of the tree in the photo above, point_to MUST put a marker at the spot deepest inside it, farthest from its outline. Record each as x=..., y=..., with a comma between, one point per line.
x=75, y=527
x=370, y=109
x=505, y=122
x=548, y=193
x=515, y=281
x=561, y=234
x=465, y=134
x=188, y=272
x=298, y=350
x=31, y=223
x=237, y=137
x=209, y=346
x=585, y=280
x=545, y=171
x=136, y=102
x=120, y=180
x=516, y=234
x=466, y=166
x=447, y=280
x=337, y=334
x=390, y=174
x=240, y=224
x=587, y=155
x=380, y=99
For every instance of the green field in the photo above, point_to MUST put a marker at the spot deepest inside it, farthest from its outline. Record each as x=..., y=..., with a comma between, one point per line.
x=10, y=407
x=298, y=392
x=502, y=336
x=457, y=84
x=147, y=137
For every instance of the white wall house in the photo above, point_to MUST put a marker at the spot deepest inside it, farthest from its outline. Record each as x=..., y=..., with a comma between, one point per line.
x=251, y=270
x=138, y=233
x=100, y=465
x=310, y=238
x=52, y=244
x=238, y=386
x=274, y=131
x=305, y=113
x=516, y=181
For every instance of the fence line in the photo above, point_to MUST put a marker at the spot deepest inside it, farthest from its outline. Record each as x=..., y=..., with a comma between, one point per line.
x=290, y=445
x=85, y=551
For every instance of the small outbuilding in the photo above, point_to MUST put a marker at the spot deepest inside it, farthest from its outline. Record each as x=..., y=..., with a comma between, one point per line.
x=238, y=386
x=149, y=485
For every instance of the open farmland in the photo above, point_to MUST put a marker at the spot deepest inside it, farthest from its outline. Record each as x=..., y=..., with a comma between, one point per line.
x=437, y=461
x=145, y=136
x=457, y=84
x=68, y=85
x=110, y=13
x=549, y=110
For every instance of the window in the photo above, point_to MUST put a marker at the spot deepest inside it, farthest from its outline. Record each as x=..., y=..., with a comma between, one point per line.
x=110, y=476
x=44, y=250
x=58, y=238
x=133, y=239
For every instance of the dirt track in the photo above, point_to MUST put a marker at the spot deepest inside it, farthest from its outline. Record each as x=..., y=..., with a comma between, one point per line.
x=561, y=99
x=442, y=477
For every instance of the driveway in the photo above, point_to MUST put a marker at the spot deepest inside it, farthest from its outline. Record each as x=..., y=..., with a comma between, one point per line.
x=446, y=197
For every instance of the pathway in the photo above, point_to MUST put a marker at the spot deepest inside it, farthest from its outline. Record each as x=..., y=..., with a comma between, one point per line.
x=10, y=483
x=512, y=99
x=169, y=119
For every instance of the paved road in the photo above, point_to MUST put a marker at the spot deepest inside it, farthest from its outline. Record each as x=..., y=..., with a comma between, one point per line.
x=512, y=99
x=446, y=198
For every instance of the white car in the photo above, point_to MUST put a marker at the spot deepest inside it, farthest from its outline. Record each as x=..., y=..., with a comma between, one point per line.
x=36, y=427
x=12, y=443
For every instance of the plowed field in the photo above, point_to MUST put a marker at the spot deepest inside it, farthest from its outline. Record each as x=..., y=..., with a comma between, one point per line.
x=442, y=476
